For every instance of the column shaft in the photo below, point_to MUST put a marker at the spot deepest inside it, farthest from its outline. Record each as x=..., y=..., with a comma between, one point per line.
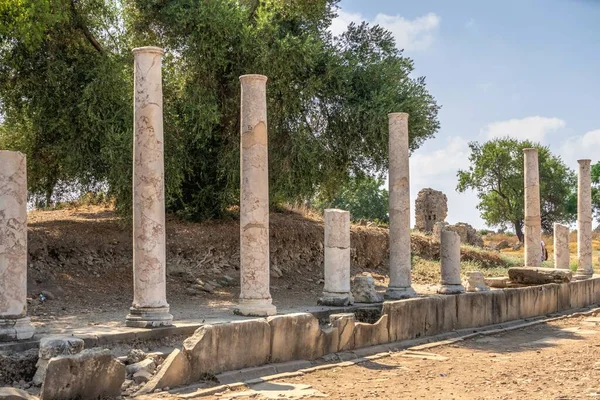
x=584, y=221
x=450, y=263
x=399, y=208
x=255, y=297
x=14, y=323
x=533, y=225
x=562, y=258
x=150, y=307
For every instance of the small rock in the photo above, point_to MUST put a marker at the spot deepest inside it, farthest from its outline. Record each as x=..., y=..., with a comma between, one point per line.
x=126, y=384
x=146, y=365
x=8, y=393
x=135, y=356
x=225, y=280
x=157, y=390
x=214, y=284
x=517, y=246
x=503, y=244
x=207, y=287
x=276, y=271
x=363, y=290
x=142, y=376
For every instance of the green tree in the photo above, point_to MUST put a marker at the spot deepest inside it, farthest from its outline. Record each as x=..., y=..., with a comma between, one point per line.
x=363, y=196
x=496, y=173
x=595, y=190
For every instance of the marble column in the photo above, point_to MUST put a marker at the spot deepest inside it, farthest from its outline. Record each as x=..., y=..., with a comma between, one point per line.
x=585, y=268
x=533, y=222
x=562, y=258
x=14, y=323
x=150, y=307
x=336, y=290
x=399, y=208
x=255, y=297
x=450, y=260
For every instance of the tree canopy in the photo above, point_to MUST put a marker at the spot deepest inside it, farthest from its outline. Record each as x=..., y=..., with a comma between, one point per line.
x=66, y=84
x=496, y=174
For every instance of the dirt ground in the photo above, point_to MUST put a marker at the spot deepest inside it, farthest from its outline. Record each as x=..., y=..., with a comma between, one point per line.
x=556, y=360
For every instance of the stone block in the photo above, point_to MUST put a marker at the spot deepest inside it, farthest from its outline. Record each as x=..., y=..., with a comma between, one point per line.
x=528, y=275
x=299, y=337
x=91, y=374
x=441, y=315
x=53, y=347
x=371, y=334
x=8, y=393
x=147, y=364
x=499, y=307
x=563, y=297
x=513, y=304
x=418, y=317
x=474, y=309
x=582, y=293
x=345, y=327
x=174, y=371
x=224, y=347
x=596, y=290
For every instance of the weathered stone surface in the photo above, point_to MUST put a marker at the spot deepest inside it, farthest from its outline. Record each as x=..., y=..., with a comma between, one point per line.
x=150, y=307
x=450, y=263
x=476, y=282
x=497, y=282
x=344, y=323
x=142, y=376
x=8, y=393
x=255, y=296
x=562, y=257
x=585, y=268
x=147, y=364
x=14, y=324
x=299, y=337
x=399, y=208
x=431, y=206
x=582, y=293
x=503, y=244
x=371, y=334
x=336, y=290
x=363, y=290
x=135, y=356
x=91, y=374
x=53, y=347
x=533, y=224
x=468, y=234
x=224, y=347
x=474, y=309
x=538, y=275
x=174, y=371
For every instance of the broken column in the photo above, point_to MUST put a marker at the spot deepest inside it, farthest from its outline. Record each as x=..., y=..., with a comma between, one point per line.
x=450, y=260
x=561, y=247
x=533, y=224
x=255, y=297
x=14, y=323
x=585, y=269
x=150, y=307
x=399, y=208
x=336, y=290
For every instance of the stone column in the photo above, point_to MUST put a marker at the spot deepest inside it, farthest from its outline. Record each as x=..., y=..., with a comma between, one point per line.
x=255, y=296
x=150, y=307
x=562, y=258
x=399, y=208
x=450, y=260
x=14, y=323
x=336, y=291
x=533, y=223
x=585, y=269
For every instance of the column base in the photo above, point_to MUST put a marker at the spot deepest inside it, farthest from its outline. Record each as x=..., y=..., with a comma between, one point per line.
x=400, y=293
x=582, y=275
x=255, y=308
x=15, y=329
x=336, y=299
x=451, y=289
x=149, y=317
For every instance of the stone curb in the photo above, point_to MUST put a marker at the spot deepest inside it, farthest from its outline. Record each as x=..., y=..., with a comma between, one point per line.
x=392, y=350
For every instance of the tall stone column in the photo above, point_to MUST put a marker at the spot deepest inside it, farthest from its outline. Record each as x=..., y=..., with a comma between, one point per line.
x=562, y=259
x=450, y=260
x=14, y=323
x=399, y=208
x=336, y=291
x=150, y=307
x=255, y=296
x=533, y=222
x=585, y=269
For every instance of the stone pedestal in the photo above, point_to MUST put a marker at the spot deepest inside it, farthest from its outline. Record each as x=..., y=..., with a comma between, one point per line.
x=476, y=282
x=255, y=297
x=14, y=323
x=533, y=223
x=150, y=307
x=336, y=291
x=399, y=208
x=561, y=247
x=585, y=269
x=450, y=260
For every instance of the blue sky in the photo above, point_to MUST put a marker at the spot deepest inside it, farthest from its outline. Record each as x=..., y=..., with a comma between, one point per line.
x=524, y=68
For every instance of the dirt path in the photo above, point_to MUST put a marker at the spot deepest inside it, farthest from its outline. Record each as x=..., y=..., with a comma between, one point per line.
x=558, y=360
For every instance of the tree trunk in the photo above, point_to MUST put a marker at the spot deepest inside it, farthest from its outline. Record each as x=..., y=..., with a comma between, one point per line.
x=519, y=230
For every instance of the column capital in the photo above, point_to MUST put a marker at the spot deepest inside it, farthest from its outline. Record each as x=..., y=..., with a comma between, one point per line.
x=253, y=77
x=148, y=49
x=398, y=115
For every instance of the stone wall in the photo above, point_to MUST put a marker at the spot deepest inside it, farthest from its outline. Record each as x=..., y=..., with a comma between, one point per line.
x=468, y=234
x=431, y=206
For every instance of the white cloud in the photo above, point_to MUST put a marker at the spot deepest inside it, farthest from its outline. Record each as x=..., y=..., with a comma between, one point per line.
x=532, y=128
x=580, y=147
x=416, y=34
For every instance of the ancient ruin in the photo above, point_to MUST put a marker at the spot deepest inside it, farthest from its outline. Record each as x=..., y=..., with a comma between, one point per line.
x=150, y=307
x=562, y=258
x=468, y=234
x=255, y=296
x=450, y=263
x=533, y=223
x=336, y=290
x=399, y=208
x=431, y=206
x=476, y=282
x=585, y=269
